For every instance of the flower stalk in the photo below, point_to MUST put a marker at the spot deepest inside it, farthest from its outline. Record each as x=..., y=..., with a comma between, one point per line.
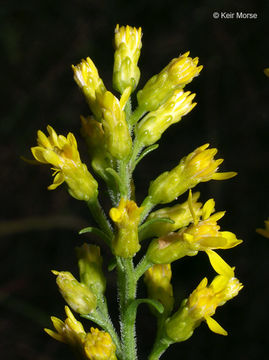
x=118, y=138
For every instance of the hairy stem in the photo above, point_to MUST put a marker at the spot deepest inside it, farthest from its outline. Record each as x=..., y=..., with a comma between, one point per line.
x=99, y=216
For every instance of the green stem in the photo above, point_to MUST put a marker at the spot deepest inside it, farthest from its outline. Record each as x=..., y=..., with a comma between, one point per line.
x=128, y=109
x=147, y=205
x=142, y=267
x=136, y=115
x=99, y=216
x=159, y=348
x=124, y=174
x=137, y=147
x=127, y=282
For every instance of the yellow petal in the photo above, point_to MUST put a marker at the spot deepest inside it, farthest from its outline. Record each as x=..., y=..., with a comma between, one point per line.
x=224, y=175
x=38, y=152
x=42, y=140
x=55, y=335
x=213, y=242
x=215, y=326
x=219, y=265
x=58, y=180
x=58, y=324
x=232, y=241
x=208, y=208
x=53, y=136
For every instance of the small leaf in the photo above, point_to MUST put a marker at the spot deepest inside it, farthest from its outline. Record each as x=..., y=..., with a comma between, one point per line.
x=148, y=150
x=143, y=228
x=97, y=232
x=112, y=264
x=132, y=308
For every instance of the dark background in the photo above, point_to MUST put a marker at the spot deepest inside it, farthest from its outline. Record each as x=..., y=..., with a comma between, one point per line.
x=39, y=42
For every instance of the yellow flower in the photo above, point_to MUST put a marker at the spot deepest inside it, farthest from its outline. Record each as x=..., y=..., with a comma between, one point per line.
x=87, y=78
x=203, y=302
x=158, y=281
x=62, y=153
x=127, y=44
x=126, y=217
x=198, y=166
x=205, y=234
x=264, y=232
x=152, y=126
x=178, y=73
x=77, y=295
x=118, y=140
x=202, y=166
x=99, y=346
x=69, y=332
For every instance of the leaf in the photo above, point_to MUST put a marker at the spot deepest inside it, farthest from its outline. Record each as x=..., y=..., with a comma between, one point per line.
x=145, y=152
x=132, y=308
x=97, y=232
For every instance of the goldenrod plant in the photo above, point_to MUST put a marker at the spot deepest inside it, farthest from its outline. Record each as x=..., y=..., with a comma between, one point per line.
x=118, y=138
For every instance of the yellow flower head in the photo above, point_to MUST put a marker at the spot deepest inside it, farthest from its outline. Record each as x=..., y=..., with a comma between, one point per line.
x=126, y=217
x=198, y=166
x=178, y=73
x=264, y=232
x=202, y=235
x=205, y=234
x=158, y=281
x=183, y=69
x=69, y=332
x=87, y=78
x=127, y=51
x=201, y=165
x=130, y=36
x=152, y=126
x=99, y=346
x=204, y=300
x=117, y=137
x=62, y=153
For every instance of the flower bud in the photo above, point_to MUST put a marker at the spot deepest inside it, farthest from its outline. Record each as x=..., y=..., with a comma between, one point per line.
x=90, y=268
x=178, y=73
x=180, y=214
x=157, y=279
x=180, y=326
x=99, y=346
x=78, y=296
x=198, y=166
x=169, y=248
x=153, y=125
x=87, y=78
x=118, y=140
x=127, y=51
x=126, y=217
x=94, y=135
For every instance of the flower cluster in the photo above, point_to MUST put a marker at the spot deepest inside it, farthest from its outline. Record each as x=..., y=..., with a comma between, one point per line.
x=118, y=137
x=94, y=345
